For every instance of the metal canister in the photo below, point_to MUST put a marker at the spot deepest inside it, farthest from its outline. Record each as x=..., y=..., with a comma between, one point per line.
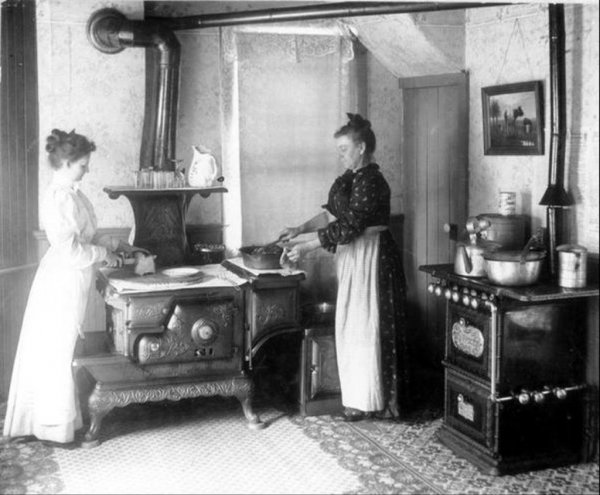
x=572, y=265
x=507, y=203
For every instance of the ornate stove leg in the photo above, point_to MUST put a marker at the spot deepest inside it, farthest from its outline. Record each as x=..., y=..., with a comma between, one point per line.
x=99, y=407
x=244, y=395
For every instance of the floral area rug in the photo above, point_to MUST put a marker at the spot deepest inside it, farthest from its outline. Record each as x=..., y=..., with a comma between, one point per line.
x=204, y=446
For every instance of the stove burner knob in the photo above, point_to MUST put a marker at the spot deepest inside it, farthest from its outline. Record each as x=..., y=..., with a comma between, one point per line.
x=165, y=310
x=538, y=397
x=455, y=296
x=474, y=303
x=438, y=290
x=484, y=296
x=447, y=293
x=523, y=397
x=430, y=288
x=466, y=300
x=560, y=393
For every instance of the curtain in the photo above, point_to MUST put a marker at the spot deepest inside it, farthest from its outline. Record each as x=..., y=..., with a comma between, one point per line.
x=283, y=97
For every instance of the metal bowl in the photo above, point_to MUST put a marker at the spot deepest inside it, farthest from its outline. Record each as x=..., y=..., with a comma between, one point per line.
x=253, y=258
x=507, y=268
x=205, y=254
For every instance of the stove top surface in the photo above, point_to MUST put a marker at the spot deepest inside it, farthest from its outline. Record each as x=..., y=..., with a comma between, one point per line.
x=185, y=277
x=542, y=291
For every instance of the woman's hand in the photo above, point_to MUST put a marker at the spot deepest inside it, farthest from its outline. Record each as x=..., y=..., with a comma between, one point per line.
x=297, y=251
x=289, y=233
x=113, y=260
x=124, y=247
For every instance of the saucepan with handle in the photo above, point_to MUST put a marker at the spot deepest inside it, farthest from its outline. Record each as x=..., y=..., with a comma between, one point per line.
x=265, y=257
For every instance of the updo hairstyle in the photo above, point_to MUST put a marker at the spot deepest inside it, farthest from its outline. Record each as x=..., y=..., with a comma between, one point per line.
x=359, y=130
x=67, y=146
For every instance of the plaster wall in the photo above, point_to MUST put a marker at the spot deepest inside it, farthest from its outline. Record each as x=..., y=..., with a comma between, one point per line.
x=98, y=95
x=511, y=44
x=384, y=109
x=199, y=117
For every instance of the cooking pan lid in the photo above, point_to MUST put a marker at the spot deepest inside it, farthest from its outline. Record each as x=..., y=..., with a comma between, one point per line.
x=572, y=248
x=513, y=255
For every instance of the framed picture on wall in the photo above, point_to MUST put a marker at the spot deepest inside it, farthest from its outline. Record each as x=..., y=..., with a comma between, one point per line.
x=513, y=119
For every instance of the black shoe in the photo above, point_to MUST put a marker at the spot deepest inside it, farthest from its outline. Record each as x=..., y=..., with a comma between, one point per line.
x=351, y=415
x=59, y=445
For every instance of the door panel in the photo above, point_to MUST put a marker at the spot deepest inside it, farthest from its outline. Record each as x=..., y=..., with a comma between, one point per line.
x=435, y=151
x=320, y=391
x=18, y=173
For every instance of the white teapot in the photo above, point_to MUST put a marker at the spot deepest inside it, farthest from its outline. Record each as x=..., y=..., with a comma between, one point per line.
x=203, y=169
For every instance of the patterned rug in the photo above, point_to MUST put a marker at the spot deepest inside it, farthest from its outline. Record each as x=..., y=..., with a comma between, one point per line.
x=204, y=446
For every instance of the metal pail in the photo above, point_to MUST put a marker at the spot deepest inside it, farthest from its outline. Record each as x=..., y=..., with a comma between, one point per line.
x=572, y=265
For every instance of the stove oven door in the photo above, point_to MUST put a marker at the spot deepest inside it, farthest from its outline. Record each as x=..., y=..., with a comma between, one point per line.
x=204, y=328
x=272, y=309
x=468, y=340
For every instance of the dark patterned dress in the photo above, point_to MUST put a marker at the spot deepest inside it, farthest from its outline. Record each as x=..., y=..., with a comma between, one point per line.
x=360, y=201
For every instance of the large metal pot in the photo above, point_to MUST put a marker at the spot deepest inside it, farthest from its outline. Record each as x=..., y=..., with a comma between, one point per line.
x=262, y=257
x=514, y=268
x=508, y=231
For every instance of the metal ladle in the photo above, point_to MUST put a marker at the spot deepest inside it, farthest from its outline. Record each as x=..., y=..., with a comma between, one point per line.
x=532, y=240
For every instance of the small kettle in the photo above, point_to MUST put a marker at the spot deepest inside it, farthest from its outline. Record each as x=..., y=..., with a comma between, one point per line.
x=469, y=261
x=202, y=171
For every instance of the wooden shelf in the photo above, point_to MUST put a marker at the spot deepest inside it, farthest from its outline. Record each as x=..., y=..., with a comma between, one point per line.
x=160, y=218
x=116, y=191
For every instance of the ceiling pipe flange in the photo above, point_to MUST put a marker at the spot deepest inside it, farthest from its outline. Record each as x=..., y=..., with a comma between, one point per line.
x=103, y=29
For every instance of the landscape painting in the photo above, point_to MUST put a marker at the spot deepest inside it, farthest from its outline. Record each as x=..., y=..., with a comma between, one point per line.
x=513, y=119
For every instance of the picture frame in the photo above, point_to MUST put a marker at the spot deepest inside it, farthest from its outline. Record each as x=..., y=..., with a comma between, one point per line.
x=513, y=119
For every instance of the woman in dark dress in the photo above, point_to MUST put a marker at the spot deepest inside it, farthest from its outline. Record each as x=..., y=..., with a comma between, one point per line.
x=370, y=326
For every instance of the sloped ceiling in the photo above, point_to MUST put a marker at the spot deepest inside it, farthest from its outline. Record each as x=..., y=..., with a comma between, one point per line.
x=413, y=45
x=408, y=45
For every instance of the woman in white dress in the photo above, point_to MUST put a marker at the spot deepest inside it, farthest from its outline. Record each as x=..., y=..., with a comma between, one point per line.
x=42, y=400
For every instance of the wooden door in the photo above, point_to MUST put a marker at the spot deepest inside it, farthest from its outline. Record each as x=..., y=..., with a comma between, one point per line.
x=435, y=155
x=18, y=174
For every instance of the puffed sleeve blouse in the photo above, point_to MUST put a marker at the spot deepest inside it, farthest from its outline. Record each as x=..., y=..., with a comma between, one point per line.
x=358, y=200
x=70, y=225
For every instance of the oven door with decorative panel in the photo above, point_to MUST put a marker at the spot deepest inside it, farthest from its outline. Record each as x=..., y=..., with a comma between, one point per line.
x=468, y=340
x=205, y=328
x=271, y=311
x=468, y=409
x=320, y=391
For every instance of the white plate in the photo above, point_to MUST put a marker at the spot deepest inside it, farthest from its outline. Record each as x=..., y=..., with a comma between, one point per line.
x=182, y=271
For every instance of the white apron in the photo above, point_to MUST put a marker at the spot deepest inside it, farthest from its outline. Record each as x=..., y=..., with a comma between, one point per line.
x=357, y=322
x=42, y=399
